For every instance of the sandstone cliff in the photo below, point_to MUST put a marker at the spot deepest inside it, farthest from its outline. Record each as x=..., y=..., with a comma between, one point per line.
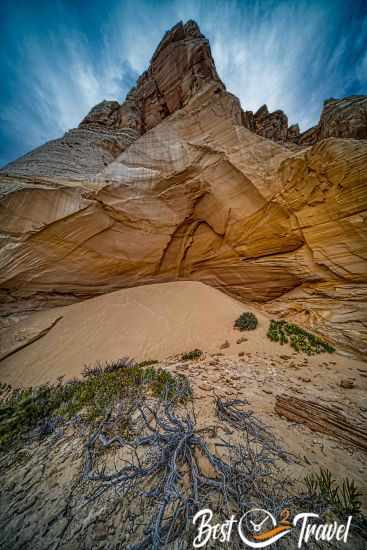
x=176, y=183
x=345, y=118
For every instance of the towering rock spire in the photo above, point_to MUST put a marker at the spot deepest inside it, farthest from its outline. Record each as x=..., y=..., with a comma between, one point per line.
x=181, y=66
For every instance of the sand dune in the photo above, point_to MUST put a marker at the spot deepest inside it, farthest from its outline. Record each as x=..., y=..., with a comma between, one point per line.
x=146, y=322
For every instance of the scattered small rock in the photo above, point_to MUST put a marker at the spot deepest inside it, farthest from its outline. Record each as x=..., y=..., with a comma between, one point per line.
x=183, y=366
x=241, y=340
x=241, y=354
x=296, y=390
x=347, y=384
x=204, y=387
x=225, y=345
x=267, y=390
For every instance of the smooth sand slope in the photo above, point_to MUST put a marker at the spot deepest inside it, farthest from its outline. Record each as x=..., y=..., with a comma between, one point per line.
x=147, y=322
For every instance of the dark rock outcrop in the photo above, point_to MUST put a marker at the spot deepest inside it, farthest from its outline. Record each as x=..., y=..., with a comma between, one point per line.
x=293, y=133
x=343, y=118
x=273, y=125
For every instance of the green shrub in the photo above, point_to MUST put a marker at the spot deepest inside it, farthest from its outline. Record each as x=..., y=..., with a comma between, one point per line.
x=166, y=386
x=192, y=355
x=344, y=499
x=94, y=395
x=300, y=340
x=246, y=321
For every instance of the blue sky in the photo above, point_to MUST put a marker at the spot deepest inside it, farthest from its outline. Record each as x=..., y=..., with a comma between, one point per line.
x=58, y=58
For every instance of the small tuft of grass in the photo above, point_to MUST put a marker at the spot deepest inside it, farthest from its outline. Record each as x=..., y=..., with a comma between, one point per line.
x=148, y=362
x=192, y=355
x=246, y=321
x=345, y=499
x=300, y=340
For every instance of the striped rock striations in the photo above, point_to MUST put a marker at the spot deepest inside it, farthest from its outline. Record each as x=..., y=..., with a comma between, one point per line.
x=176, y=183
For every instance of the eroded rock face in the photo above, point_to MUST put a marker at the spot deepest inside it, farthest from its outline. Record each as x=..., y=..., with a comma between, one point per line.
x=273, y=126
x=336, y=309
x=195, y=194
x=293, y=133
x=309, y=137
x=344, y=118
x=80, y=153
